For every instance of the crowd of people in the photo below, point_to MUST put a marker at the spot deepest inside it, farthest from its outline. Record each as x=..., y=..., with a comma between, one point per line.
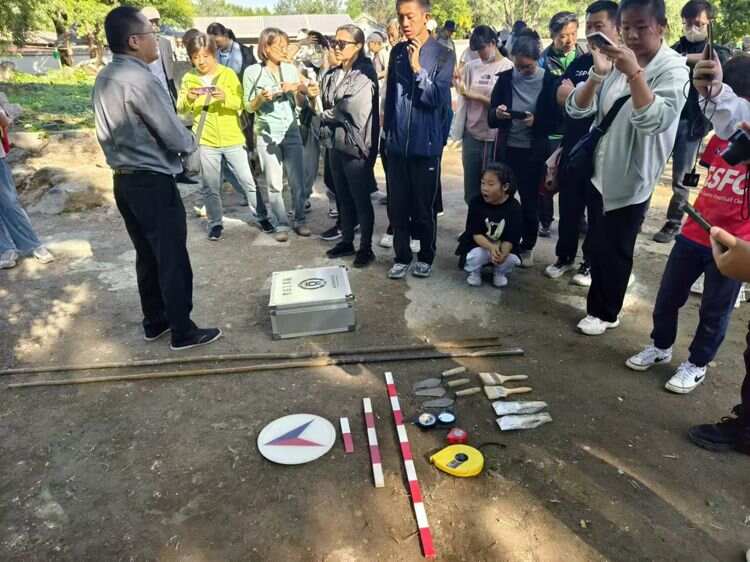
x=594, y=124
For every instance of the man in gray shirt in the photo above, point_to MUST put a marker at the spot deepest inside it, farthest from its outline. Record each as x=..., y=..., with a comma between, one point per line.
x=141, y=138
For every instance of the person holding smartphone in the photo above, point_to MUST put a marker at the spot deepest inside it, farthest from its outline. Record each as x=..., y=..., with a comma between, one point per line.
x=221, y=141
x=649, y=78
x=521, y=111
x=720, y=203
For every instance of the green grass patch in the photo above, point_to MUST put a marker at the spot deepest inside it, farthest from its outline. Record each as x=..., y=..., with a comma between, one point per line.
x=56, y=101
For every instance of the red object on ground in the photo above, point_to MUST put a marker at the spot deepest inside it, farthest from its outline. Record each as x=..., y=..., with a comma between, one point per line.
x=457, y=436
x=425, y=535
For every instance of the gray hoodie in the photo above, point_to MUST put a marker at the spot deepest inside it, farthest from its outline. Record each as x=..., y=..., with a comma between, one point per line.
x=631, y=157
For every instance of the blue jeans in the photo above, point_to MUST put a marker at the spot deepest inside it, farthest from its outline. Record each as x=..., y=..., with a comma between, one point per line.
x=475, y=155
x=16, y=232
x=213, y=160
x=686, y=262
x=683, y=159
x=277, y=158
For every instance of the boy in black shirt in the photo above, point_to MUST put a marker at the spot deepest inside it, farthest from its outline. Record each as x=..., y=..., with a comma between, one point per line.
x=493, y=228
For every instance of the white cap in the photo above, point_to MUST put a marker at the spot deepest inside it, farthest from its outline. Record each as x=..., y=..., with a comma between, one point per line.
x=151, y=13
x=431, y=25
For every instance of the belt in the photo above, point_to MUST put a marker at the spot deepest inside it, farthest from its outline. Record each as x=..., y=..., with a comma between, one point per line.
x=126, y=172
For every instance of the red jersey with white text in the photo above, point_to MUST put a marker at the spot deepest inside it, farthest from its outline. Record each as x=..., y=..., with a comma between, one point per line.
x=722, y=198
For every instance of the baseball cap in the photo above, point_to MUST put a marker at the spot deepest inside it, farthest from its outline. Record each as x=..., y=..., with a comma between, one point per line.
x=450, y=25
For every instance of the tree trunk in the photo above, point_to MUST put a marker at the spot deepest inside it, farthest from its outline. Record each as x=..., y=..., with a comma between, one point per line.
x=64, y=47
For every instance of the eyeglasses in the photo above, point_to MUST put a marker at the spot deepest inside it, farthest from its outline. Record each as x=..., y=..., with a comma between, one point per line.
x=340, y=44
x=152, y=32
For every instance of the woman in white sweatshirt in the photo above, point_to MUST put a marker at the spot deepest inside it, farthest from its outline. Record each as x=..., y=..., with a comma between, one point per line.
x=630, y=158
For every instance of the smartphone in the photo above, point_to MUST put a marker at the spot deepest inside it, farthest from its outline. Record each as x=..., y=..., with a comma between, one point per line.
x=204, y=90
x=518, y=114
x=710, y=42
x=599, y=40
x=697, y=217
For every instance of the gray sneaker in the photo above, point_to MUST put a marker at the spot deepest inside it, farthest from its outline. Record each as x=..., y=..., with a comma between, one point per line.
x=421, y=269
x=8, y=259
x=398, y=271
x=43, y=255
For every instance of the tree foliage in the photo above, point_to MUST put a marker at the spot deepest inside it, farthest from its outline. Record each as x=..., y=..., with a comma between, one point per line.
x=308, y=7
x=354, y=8
x=213, y=8
x=733, y=22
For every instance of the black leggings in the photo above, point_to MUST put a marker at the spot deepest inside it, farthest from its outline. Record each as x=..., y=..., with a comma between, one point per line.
x=528, y=172
x=352, y=178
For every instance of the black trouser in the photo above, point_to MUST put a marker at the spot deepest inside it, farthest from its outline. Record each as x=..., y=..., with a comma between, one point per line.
x=412, y=196
x=613, y=238
x=574, y=198
x=546, y=208
x=528, y=172
x=351, y=177
x=151, y=206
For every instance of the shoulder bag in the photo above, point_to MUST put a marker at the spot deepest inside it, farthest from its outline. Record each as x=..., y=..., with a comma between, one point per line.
x=191, y=163
x=578, y=166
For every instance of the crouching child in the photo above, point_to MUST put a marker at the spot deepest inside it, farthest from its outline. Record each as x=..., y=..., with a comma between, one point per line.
x=493, y=228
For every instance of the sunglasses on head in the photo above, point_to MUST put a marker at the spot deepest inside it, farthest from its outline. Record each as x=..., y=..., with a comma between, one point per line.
x=341, y=44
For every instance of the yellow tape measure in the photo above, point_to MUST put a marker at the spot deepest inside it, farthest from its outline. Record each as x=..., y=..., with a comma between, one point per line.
x=459, y=460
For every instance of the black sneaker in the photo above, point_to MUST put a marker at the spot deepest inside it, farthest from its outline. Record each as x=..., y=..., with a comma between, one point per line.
x=182, y=178
x=544, y=231
x=215, y=233
x=308, y=206
x=340, y=250
x=723, y=436
x=331, y=234
x=266, y=226
x=153, y=333
x=363, y=259
x=196, y=338
x=667, y=233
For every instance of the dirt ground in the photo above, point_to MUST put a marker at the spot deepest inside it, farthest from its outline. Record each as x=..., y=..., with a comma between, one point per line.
x=169, y=470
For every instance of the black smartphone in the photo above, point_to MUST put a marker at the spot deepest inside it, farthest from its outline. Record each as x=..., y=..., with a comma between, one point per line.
x=599, y=40
x=518, y=114
x=697, y=217
x=710, y=42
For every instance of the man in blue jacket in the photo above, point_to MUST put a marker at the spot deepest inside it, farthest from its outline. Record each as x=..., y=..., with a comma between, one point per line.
x=416, y=123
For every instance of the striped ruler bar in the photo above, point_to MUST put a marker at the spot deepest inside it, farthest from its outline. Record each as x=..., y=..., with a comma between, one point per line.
x=346, y=434
x=425, y=535
x=372, y=441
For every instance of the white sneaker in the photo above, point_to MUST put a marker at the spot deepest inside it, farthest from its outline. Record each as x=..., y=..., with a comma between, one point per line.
x=8, y=259
x=475, y=278
x=527, y=259
x=687, y=377
x=741, y=297
x=593, y=326
x=649, y=357
x=43, y=255
x=631, y=280
x=557, y=269
x=499, y=280
x=582, y=278
x=415, y=246
x=200, y=212
x=386, y=241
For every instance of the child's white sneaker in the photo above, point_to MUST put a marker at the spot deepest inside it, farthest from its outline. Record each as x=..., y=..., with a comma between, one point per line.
x=687, y=377
x=593, y=326
x=499, y=280
x=649, y=357
x=475, y=278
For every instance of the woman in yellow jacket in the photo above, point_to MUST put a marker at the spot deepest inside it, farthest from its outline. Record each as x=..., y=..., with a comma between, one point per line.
x=221, y=140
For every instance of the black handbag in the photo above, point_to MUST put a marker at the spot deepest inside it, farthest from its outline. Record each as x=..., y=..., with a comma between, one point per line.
x=578, y=165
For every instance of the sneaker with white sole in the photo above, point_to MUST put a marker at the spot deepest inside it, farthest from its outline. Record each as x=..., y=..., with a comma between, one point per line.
x=421, y=269
x=398, y=271
x=8, y=259
x=697, y=287
x=558, y=269
x=386, y=241
x=649, y=357
x=43, y=255
x=527, y=259
x=687, y=377
x=475, y=278
x=582, y=278
x=593, y=326
x=631, y=280
x=415, y=246
x=499, y=280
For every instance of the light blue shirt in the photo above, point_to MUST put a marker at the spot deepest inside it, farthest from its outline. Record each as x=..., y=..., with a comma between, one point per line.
x=232, y=57
x=273, y=118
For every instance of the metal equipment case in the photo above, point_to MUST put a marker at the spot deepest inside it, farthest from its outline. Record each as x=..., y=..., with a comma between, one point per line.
x=306, y=302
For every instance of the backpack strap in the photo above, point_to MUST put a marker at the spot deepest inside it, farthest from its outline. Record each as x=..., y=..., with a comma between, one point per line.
x=612, y=113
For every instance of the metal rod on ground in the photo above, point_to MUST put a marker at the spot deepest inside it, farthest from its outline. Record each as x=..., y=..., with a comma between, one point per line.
x=306, y=364
x=471, y=343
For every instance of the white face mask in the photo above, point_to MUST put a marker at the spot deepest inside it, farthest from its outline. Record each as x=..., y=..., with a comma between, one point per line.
x=695, y=34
